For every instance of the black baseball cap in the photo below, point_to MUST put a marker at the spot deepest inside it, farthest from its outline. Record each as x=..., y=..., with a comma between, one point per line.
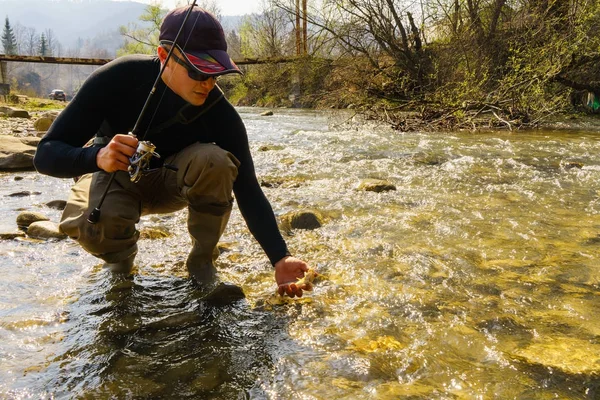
x=202, y=40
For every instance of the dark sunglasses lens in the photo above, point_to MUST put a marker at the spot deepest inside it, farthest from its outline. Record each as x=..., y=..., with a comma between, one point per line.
x=197, y=76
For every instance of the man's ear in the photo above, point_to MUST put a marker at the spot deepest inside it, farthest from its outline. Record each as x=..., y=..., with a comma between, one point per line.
x=162, y=54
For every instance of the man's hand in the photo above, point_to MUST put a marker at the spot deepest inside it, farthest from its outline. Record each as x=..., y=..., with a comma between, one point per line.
x=115, y=155
x=287, y=271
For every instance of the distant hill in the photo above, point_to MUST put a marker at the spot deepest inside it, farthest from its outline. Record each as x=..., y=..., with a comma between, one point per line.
x=71, y=20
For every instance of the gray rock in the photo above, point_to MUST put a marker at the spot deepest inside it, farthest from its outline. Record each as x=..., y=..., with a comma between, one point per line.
x=12, y=112
x=27, y=218
x=17, y=153
x=45, y=230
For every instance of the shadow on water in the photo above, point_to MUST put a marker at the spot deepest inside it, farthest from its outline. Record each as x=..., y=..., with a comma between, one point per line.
x=155, y=337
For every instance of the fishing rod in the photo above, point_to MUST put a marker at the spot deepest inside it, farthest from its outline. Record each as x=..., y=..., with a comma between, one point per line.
x=145, y=150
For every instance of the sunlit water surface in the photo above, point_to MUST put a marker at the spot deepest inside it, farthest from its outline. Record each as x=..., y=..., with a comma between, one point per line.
x=477, y=278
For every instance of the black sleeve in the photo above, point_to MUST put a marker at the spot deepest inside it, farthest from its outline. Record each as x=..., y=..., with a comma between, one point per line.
x=60, y=152
x=252, y=202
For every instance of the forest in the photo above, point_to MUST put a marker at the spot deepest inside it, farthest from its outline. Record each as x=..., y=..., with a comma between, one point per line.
x=451, y=63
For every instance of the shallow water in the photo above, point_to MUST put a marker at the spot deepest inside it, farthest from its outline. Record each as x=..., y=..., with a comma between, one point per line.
x=476, y=279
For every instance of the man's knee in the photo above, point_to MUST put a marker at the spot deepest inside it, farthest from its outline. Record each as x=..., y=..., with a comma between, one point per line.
x=112, y=238
x=208, y=174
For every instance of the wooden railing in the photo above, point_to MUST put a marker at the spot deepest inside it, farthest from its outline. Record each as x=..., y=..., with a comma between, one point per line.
x=102, y=61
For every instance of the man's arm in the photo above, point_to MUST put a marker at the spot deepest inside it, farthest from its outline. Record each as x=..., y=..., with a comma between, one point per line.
x=259, y=215
x=60, y=153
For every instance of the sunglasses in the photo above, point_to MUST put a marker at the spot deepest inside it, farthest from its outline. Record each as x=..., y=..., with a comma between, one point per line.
x=191, y=71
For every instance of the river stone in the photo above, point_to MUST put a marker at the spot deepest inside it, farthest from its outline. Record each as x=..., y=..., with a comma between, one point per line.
x=42, y=124
x=270, y=147
x=306, y=219
x=266, y=114
x=27, y=218
x=24, y=193
x=31, y=140
x=11, y=235
x=45, y=230
x=16, y=153
x=13, y=112
x=153, y=233
x=570, y=355
x=376, y=185
x=57, y=204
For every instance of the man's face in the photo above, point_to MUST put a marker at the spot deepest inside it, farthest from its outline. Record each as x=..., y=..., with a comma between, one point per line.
x=176, y=77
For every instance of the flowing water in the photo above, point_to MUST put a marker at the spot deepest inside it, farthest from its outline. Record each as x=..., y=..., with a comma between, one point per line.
x=477, y=278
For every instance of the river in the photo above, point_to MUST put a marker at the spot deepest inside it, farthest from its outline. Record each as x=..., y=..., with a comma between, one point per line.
x=477, y=278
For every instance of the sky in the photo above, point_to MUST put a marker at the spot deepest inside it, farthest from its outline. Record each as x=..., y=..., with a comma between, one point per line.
x=228, y=7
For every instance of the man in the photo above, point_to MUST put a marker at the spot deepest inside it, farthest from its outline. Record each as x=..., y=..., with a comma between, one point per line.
x=198, y=135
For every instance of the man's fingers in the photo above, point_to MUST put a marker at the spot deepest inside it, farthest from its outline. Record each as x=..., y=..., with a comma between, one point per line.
x=281, y=290
x=122, y=148
x=289, y=290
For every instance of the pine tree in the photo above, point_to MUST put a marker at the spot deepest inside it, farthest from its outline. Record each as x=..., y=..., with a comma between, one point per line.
x=43, y=46
x=9, y=42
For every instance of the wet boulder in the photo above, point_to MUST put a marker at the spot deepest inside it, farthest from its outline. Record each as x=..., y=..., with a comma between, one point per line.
x=306, y=219
x=266, y=113
x=26, y=218
x=45, y=230
x=375, y=185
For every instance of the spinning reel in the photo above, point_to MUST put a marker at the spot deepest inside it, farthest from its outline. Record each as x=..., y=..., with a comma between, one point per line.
x=140, y=161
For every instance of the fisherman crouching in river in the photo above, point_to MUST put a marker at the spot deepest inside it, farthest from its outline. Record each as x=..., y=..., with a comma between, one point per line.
x=201, y=140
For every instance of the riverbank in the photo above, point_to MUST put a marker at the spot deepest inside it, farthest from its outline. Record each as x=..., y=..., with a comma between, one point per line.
x=407, y=118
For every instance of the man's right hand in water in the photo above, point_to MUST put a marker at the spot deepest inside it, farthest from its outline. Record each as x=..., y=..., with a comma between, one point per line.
x=115, y=155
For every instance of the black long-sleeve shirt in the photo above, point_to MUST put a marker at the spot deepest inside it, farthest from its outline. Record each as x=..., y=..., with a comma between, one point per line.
x=110, y=101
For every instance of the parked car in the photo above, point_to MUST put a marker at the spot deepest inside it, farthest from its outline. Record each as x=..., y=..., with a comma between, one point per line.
x=58, y=94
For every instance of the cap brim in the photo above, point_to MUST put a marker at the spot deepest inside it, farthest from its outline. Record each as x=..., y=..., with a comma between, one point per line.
x=212, y=62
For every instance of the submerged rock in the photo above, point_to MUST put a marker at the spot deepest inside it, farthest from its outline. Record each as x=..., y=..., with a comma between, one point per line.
x=153, y=233
x=376, y=185
x=271, y=147
x=570, y=355
x=24, y=193
x=306, y=219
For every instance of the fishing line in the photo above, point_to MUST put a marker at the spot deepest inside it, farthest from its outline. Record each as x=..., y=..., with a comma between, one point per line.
x=148, y=148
